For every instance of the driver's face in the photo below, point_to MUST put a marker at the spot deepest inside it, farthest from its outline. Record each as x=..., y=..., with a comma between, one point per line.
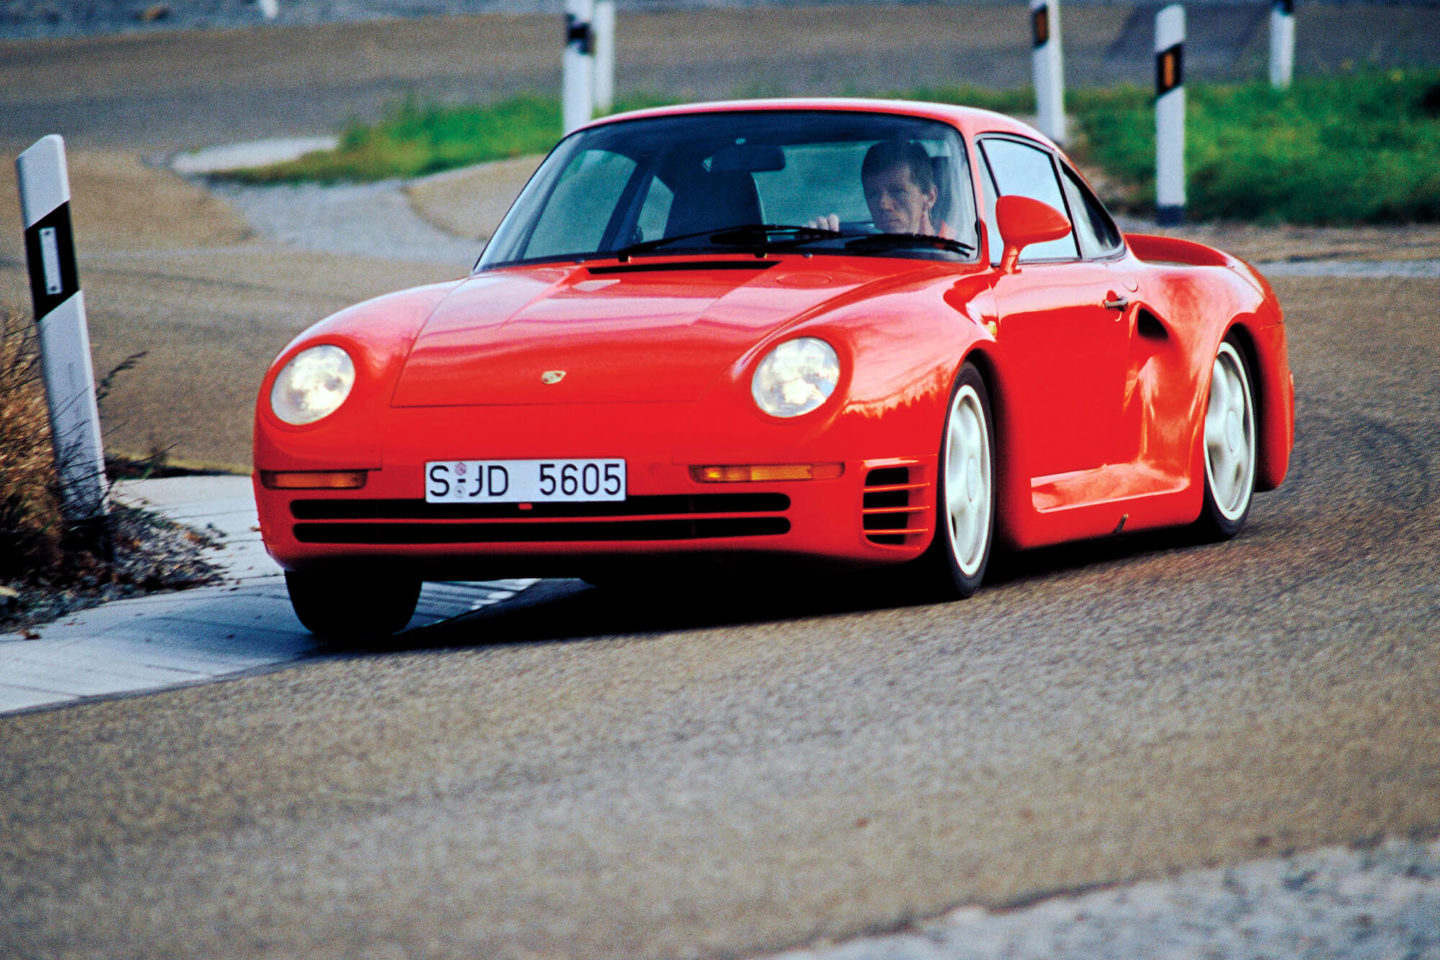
x=897, y=204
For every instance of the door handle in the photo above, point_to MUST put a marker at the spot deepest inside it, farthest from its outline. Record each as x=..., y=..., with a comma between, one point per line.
x=1115, y=303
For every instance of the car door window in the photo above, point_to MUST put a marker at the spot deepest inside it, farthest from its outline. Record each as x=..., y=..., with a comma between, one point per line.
x=1019, y=169
x=1098, y=235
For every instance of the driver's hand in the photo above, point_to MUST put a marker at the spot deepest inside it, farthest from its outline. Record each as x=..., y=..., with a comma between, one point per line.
x=829, y=221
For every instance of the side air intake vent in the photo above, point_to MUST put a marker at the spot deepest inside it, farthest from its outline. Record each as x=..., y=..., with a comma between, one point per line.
x=894, y=511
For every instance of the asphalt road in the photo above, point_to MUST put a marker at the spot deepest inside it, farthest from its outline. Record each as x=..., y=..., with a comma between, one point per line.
x=716, y=771
x=585, y=773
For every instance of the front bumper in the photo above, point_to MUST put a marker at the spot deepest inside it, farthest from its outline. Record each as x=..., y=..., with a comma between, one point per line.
x=879, y=510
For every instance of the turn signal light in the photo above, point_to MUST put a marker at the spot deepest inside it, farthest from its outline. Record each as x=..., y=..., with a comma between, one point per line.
x=767, y=472
x=312, y=479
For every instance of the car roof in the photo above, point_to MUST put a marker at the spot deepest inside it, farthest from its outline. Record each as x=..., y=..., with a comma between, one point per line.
x=971, y=121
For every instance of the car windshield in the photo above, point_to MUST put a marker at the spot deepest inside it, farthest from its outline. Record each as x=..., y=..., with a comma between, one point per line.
x=746, y=181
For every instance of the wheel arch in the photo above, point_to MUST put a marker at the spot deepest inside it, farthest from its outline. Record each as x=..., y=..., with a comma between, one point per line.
x=1006, y=468
x=1274, y=403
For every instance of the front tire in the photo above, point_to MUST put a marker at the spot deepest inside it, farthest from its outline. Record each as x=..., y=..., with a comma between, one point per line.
x=965, y=491
x=352, y=605
x=1230, y=448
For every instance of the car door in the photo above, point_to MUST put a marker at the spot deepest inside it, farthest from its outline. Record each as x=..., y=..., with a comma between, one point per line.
x=1058, y=321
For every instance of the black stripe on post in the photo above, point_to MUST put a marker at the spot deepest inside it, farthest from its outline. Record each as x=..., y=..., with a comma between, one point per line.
x=1286, y=7
x=1169, y=69
x=50, y=252
x=1040, y=25
x=579, y=34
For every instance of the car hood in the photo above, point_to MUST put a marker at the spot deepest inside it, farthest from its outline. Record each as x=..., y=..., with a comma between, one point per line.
x=639, y=332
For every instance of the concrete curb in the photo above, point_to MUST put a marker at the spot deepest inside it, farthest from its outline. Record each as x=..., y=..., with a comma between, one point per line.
x=168, y=640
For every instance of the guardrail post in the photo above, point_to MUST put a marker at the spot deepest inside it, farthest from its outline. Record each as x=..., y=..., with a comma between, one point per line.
x=1282, y=43
x=604, y=56
x=578, y=96
x=1049, y=68
x=63, y=334
x=1170, y=115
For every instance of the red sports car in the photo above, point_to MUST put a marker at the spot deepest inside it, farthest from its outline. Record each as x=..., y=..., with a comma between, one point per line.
x=861, y=331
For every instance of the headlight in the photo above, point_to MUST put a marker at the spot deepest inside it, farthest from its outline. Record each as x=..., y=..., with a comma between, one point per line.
x=313, y=385
x=795, y=377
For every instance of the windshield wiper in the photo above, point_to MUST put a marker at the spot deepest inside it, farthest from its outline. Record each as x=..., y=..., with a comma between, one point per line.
x=891, y=241
x=761, y=236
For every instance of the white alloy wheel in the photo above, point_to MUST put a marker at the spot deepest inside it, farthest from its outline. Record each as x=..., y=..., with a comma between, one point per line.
x=968, y=481
x=1229, y=443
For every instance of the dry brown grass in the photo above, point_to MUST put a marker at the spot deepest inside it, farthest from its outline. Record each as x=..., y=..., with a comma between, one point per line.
x=31, y=525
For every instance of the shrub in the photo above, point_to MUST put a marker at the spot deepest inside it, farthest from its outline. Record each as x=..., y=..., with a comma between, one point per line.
x=31, y=525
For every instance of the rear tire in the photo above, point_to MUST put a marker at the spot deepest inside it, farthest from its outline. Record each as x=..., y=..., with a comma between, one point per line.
x=964, y=491
x=1230, y=447
x=352, y=605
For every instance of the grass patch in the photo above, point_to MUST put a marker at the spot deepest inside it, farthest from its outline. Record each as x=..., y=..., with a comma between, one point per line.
x=1344, y=149
x=1349, y=148
x=414, y=139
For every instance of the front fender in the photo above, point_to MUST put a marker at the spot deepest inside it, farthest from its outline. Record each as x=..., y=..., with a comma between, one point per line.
x=378, y=335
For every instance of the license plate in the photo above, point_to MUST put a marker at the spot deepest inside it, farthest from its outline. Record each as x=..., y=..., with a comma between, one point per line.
x=524, y=481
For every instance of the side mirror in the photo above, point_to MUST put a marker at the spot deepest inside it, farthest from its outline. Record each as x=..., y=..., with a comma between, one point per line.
x=1024, y=221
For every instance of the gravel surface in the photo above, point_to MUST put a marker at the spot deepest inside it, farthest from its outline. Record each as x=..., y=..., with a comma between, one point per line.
x=1380, y=903
x=366, y=220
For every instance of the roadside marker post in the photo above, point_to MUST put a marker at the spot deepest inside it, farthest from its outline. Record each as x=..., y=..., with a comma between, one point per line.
x=578, y=96
x=1282, y=43
x=1170, y=115
x=604, y=56
x=63, y=333
x=1049, y=68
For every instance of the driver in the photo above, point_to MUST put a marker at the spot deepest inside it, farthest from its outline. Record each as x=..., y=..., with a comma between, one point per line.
x=900, y=190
